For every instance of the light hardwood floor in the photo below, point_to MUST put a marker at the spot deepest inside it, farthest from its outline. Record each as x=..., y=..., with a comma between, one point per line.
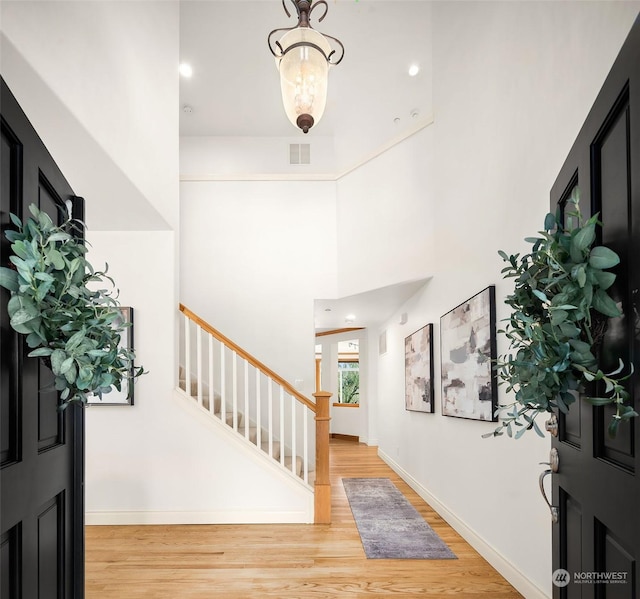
x=284, y=561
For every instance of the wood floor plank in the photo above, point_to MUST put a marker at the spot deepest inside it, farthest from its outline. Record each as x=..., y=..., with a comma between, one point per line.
x=284, y=561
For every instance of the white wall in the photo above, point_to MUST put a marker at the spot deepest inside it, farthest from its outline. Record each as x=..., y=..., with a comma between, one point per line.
x=227, y=157
x=254, y=256
x=385, y=218
x=107, y=72
x=154, y=462
x=513, y=83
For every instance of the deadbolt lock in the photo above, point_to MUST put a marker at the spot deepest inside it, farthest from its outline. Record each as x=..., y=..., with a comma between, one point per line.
x=551, y=425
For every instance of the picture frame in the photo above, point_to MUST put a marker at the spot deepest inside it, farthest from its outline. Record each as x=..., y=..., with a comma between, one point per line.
x=115, y=397
x=468, y=351
x=418, y=370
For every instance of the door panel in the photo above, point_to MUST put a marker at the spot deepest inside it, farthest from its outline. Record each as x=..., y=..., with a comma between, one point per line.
x=597, y=487
x=10, y=556
x=612, y=199
x=612, y=556
x=571, y=519
x=9, y=413
x=51, y=543
x=570, y=425
x=41, y=536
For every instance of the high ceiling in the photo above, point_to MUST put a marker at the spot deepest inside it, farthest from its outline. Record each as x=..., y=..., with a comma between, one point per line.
x=234, y=92
x=235, y=89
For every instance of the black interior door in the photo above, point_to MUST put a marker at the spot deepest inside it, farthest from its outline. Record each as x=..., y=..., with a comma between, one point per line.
x=41, y=477
x=597, y=486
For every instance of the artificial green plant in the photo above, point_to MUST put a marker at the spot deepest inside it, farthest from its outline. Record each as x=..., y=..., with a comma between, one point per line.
x=68, y=321
x=560, y=307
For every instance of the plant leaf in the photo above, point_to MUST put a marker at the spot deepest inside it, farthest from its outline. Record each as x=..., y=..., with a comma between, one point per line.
x=537, y=429
x=605, y=279
x=57, y=358
x=540, y=295
x=549, y=222
x=24, y=315
x=628, y=414
x=599, y=401
x=603, y=303
x=584, y=237
x=41, y=351
x=602, y=257
x=8, y=279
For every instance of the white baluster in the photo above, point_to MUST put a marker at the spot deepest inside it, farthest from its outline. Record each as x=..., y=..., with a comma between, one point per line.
x=282, y=425
x=223, y=385
x=234, y=373
x=270, y=406
x=210, y=372
x=187, y=356
x=293, y=434
x=199, y=363
x=258, y=411
x=246, y=399
x=305, y=443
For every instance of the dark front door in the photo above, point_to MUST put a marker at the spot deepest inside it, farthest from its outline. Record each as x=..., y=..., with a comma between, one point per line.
x=597, y=486
x=41, y=476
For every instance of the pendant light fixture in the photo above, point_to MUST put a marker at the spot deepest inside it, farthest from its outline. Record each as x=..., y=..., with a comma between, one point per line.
x=303, y=57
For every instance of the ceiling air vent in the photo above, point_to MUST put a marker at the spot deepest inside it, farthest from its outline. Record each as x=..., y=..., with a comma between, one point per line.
x=299, y=153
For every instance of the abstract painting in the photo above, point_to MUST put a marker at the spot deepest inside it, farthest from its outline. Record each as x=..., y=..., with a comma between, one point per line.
x=468, y=346
x=418, y=369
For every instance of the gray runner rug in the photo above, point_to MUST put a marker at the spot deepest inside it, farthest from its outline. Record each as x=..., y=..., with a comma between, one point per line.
x=389, y=526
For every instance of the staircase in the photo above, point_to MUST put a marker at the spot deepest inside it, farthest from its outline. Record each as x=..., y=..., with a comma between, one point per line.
x=271, y=449
x=248, y=399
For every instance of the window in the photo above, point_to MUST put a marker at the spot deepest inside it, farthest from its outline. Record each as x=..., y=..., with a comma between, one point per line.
x=348, y=381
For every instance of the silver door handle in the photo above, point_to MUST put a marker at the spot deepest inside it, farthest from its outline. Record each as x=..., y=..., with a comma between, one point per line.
x=552, y=508
x=554, y=460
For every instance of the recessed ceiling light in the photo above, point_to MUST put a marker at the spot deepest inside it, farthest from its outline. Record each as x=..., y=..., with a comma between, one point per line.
x=414, y=69
x=349, y=318
x=186, y=69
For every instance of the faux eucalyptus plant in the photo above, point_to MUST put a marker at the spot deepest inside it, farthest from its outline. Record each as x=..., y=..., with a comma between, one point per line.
x=75, y=329
x=560, y=306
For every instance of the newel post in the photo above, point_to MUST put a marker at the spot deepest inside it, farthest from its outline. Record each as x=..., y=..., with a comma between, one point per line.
x=322, y=511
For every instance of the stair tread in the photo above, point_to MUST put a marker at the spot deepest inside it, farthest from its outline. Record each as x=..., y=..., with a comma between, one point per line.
x=229, y=420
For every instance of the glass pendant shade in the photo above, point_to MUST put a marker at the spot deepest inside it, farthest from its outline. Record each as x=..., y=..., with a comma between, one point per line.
x=304, y=70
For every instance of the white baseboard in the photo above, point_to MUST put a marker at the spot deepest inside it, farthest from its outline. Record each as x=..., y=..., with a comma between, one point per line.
x=525, y=586
x=221, y=517
x=271, y=515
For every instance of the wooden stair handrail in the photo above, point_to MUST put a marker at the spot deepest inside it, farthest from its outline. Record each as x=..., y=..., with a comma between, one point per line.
x=248, y=357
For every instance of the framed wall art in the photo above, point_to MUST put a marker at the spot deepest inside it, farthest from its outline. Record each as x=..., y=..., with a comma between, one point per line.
x=115, y=397
x=418, y=370
x=468, y=349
